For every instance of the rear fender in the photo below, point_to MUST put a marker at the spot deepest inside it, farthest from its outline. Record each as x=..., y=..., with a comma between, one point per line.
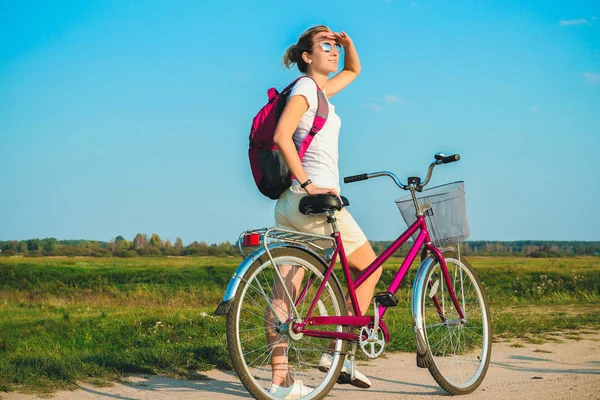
x=241, y=270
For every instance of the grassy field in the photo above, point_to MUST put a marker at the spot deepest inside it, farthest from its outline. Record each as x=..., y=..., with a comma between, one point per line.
x=64, y=320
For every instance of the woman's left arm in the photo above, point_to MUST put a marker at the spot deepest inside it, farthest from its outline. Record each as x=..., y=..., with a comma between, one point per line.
x=351, y=65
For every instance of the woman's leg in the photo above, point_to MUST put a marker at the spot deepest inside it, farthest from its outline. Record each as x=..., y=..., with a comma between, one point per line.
x=278, y=344
x=358, y=261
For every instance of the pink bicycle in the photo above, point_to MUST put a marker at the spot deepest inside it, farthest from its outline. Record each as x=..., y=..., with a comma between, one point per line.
x=286, y=289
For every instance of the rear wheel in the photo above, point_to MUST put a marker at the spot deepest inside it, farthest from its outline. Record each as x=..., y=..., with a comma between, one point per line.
x=459, y=352
x=262, y=345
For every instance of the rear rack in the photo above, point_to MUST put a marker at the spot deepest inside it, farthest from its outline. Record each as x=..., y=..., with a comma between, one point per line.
x=263, y=237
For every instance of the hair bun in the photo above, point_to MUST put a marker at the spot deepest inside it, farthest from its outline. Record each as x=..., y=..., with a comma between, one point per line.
x=294, y=53
x=291, y=56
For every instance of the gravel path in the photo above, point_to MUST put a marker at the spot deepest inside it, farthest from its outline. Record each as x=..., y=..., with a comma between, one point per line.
x=568, y=370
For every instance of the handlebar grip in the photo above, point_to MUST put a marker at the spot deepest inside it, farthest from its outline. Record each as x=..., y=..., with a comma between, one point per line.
x=449, y=159
x=355, y=178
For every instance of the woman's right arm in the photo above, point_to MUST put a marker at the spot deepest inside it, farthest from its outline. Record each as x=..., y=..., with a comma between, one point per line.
x=288, y=121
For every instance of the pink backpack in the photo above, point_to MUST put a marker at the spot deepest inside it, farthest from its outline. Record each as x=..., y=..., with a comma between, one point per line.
x=271, y=174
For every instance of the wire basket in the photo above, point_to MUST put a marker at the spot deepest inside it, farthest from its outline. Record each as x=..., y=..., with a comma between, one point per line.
x=447, y=219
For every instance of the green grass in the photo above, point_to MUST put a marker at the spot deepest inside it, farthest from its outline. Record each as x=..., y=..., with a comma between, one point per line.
x=65, y=320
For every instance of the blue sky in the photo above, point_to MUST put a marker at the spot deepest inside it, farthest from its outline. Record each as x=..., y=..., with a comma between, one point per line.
x=119, y=117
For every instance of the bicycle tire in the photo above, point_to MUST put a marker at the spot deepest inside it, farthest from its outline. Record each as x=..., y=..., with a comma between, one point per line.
x=458, y=355
x=242, y=342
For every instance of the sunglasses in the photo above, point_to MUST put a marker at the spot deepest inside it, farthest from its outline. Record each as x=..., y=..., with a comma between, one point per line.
x=328, y=47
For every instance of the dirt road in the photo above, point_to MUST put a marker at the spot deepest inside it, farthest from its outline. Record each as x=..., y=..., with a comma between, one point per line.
x=568, y=370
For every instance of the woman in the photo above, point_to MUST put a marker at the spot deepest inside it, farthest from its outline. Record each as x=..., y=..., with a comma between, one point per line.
x=316, y=54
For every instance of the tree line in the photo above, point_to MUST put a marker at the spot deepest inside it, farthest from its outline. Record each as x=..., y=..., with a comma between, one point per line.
x=518, y=248
x=141, y=245
x=144, y=246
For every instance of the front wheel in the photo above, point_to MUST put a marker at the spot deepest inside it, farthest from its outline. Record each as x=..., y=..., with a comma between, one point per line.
x=459, y=351
x=264, y=349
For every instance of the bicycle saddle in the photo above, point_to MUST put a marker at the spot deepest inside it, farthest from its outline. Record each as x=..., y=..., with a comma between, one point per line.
x=320, y=203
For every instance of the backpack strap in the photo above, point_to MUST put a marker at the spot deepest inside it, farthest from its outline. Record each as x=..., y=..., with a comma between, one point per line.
x=291, y=85
x=319, y=121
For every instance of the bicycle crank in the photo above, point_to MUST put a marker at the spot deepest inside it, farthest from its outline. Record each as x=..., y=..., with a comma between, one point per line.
x=371, y=341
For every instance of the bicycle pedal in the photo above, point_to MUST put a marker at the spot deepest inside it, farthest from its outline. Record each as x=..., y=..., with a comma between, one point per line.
x=386, y=299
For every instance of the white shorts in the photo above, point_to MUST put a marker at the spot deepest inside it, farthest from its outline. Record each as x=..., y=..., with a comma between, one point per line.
x=287, y=216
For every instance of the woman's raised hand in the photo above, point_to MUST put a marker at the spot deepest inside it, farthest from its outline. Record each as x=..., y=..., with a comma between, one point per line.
x=340, y=37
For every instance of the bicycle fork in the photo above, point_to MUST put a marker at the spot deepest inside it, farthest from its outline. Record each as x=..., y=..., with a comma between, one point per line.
x=419, y=285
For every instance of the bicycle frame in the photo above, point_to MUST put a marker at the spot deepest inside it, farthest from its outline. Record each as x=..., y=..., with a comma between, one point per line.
x=358, y=319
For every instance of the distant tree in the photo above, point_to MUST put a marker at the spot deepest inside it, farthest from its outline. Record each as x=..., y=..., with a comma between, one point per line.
x=467, y=249
x=11, y=245
x=226, y=245
x=49, y=244
x=34, y=244
x=101, y=252
x=153, y=251
x=198, y=249
x=120, y=244
x=168, y=249
x=215, y=251
x=179, y=246
x=139, y=241
x=113, y=246
x=128, y=254
x=155, y=241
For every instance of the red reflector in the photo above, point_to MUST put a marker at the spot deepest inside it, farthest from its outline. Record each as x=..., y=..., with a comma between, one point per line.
x=252, y=240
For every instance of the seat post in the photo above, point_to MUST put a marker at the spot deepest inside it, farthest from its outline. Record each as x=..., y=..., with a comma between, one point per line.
x=332, y=220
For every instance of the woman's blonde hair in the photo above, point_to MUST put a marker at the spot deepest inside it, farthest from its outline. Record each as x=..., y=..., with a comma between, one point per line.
x=293, y=55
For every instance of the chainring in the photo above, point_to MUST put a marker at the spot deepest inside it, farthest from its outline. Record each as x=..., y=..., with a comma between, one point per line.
x=371, y=343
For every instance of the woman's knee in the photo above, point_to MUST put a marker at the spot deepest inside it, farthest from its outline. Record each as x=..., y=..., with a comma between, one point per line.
x=362, y=257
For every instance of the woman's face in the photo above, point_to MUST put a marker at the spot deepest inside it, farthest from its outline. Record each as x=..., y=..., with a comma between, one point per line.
x=325, y=53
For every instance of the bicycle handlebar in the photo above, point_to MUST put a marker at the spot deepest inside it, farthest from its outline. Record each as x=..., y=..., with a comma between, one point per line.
x=440, y=159
x=448, y=159
x=355, y=178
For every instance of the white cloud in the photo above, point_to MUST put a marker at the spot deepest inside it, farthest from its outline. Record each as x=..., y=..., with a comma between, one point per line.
x=376, y=103
x=417, y=5
x=373, y=106
x=392, y=98
x=570, y=22
x=534, y=109
x=592, y=78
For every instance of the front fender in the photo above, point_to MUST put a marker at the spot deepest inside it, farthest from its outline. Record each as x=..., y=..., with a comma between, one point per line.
x=417, y=305
x=241, y=270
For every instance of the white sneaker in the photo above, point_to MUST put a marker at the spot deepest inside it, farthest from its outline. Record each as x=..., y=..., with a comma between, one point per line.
x=296, y=391
x=360, y=380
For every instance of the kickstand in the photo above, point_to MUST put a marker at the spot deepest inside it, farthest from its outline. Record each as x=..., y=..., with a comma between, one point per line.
x=352, y=367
